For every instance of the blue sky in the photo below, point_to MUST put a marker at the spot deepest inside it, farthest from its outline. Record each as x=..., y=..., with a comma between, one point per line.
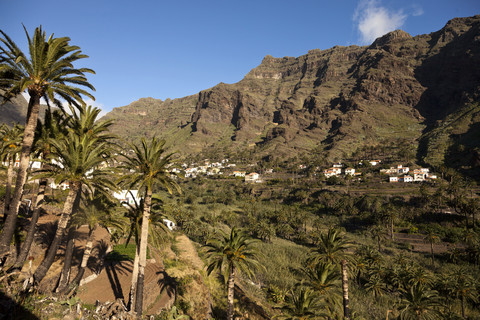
x=171, y=49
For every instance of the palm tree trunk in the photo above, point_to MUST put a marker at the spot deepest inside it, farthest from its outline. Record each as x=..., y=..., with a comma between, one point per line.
x=62, y=226
x=133, y=286
x=8, y=186
x=142, y=261
x=463, y=306
x=27, y=143
x=230, y=293
x=346, y=311
x=32, y=228
x=433, y=256
x=81, y=269
x=391, y=230
x=67, y=263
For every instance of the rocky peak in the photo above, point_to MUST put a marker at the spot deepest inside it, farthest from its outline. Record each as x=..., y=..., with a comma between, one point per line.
x=394, y=36
x=335, y=99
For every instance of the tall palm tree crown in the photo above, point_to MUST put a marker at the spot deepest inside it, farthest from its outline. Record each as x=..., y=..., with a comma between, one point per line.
x=301, y=304
x=420, y=303
x=147, y=169
x=79, y=161
x=229, y=253
x=232, y=250
x=332, y=248
x=48, y=72
x=149, y=165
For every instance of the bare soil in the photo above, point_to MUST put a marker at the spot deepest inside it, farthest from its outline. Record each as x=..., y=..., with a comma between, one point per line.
x=112, y=280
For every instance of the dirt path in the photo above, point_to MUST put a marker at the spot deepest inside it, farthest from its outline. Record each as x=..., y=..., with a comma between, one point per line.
x=419, y=244
x=188, y=253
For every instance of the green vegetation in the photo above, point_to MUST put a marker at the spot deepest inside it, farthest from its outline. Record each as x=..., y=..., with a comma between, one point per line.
x=121, y=252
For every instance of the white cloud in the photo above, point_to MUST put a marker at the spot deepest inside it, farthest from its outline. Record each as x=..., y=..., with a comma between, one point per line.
x=417, y=10
x=374, y=20
x=98, y=105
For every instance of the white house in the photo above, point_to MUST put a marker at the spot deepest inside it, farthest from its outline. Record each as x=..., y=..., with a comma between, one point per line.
x=406, y=178
x=350, y=171
x=35, y=164
x=419, y=177
x=170, y=224
x=392, y=170
x=402, y=170
x=252, y=177
x=393, y=179
x=329, y=173
x=127, y=196
x=239, y=173
x=63, y=186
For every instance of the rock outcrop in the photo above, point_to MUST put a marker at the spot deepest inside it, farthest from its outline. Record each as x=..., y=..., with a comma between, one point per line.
x=332, y=101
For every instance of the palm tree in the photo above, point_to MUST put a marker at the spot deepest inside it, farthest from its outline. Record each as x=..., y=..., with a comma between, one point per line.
x=346, y=303
x=375, y=285
x=231, y=253
x=390, y=213
x=332, y=248
x=461, y=285
x=324, y=279
x=53, y=127
x=420, y=303
x=48, y=73
x=147, y=168
x=97, y=210
x=301, y=304
x=9, y=148
x=432, y=238
x=78, y=162
x=378, y=233
x=156, y=234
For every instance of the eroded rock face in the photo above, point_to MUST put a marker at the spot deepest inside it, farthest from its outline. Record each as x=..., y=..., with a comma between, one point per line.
x=339, y=99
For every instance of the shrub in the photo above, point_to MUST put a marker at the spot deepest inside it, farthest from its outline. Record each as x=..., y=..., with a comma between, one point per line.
x=121, y=253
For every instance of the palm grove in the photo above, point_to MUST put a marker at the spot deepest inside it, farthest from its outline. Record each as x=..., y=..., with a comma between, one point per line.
x=76, y=148
x=73, y=148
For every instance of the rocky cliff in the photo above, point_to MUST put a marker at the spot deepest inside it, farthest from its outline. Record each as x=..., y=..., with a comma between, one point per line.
x=423, y=89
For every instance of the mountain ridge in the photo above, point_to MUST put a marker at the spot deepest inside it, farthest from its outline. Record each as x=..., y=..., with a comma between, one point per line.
x=332, y=102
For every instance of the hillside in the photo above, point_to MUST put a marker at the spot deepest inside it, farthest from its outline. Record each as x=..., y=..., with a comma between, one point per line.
x=14, y=110
x=422, y=91
x=332, y=101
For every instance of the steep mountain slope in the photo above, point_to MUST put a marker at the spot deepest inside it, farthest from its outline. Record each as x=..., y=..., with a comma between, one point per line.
x=149, y=117
x=332, y=101
x=14, y=110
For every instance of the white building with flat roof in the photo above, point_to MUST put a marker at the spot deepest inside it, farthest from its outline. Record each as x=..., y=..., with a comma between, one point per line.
x=127, y=196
